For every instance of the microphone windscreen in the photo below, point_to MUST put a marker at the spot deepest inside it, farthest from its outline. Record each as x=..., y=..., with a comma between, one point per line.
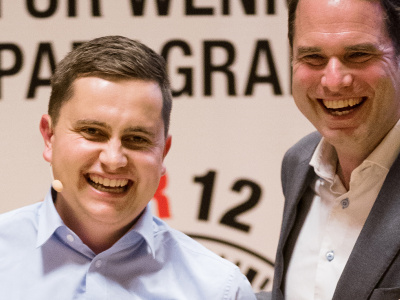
x=57, y=185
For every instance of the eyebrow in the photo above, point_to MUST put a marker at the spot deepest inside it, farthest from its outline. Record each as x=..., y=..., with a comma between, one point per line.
x=138, y=129
x=308, y=50
x=133, y=129
x=87, y=122
x=367, y=47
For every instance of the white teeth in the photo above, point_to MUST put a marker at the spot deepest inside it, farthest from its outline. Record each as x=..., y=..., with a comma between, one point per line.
x=109, y=182
x=341, y=113
x=336, y=104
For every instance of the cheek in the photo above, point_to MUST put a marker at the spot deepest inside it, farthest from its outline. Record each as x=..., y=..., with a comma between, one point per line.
x=387, y=105
x=302, y=84
x=152, y=162
x=304, y=91
x=71, y=156
x=372, y=77
x=305, y=80
x=148, y=164
x=376, y=77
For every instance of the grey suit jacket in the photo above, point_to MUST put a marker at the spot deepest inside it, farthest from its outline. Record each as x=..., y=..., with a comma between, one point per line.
x=373, y=269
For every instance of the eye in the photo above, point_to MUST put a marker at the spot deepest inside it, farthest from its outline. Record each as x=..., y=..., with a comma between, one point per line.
x=91, y=131
x=135, y=142
x=359, y=57
x=314, y=60
x=93, y=134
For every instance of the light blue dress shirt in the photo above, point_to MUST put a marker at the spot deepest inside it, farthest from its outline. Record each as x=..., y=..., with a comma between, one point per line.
x=42, y=259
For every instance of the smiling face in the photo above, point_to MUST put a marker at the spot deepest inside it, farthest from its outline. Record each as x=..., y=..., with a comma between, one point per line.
x=107, y=149
x=345, y=73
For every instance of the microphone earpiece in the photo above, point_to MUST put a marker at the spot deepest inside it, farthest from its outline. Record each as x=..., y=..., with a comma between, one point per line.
x=57, y=185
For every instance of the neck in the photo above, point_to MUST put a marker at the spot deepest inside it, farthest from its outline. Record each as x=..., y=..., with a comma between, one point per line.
x=96, y=234
x=347, y=162
x=99, y=237
x=352, y=151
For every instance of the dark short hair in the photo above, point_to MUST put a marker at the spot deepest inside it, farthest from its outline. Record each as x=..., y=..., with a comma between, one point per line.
x=110, y=57
x=392, y=20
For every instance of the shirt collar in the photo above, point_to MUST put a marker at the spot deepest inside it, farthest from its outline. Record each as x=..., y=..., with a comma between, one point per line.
x=50, y=221
x=387, y=151
x=143, y=227
x=324, y=159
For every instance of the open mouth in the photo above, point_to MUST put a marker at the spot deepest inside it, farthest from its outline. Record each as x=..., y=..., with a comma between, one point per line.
x=342, y=107
x=103, y=184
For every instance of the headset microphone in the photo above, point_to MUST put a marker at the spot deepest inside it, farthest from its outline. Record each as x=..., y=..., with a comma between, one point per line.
x=57, y=185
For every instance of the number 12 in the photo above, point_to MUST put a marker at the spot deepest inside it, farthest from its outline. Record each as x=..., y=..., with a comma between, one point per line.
x=229, y=218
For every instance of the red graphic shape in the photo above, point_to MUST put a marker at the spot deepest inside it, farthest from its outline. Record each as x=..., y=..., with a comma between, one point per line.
x=162, y=200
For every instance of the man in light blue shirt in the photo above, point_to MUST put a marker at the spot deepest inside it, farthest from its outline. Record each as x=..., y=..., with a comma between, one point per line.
x=94, y=237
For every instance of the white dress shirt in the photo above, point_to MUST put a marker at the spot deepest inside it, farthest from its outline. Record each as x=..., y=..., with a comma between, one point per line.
x=335, y=219
x=42, y=259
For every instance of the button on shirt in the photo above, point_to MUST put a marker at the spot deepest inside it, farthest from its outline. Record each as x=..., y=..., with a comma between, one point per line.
x=335, y=219
x=41, y=259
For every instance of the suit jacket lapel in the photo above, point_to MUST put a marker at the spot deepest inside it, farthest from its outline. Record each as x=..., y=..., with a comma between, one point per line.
x=377, y=245
x=289, y=232
x=306, y=174
x=296, y=177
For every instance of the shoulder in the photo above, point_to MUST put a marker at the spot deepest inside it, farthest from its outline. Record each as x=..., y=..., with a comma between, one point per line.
x=19, y=224
x=176, y=239
x=28, y=212
x=199, y=262
x=20, y=214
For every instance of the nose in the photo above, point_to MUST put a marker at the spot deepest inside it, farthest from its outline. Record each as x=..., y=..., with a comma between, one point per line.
x=336, y=76
x=112, y=156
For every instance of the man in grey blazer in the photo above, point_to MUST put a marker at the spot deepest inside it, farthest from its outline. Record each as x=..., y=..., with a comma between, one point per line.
x=340, y=236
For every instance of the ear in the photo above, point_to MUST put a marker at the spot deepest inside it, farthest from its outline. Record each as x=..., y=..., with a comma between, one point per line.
x=167, y=146
x=46, y=130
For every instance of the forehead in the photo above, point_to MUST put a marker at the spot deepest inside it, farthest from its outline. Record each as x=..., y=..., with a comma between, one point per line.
x=333, y=20
x=114, y=101
x=116, y=91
